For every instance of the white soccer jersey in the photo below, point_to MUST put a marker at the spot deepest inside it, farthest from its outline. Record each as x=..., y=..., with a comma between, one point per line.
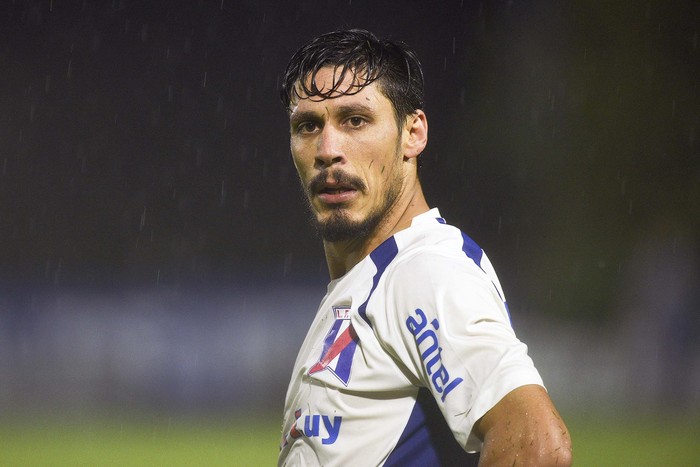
x=413, y=339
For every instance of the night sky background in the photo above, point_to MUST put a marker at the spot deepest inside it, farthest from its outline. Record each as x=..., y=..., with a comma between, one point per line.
x=143, y=143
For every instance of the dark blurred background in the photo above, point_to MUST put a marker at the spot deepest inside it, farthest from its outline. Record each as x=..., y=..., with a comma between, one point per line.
x=154, y=248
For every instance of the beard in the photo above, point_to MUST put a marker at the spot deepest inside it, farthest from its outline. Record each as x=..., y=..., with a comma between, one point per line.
x=338, y=225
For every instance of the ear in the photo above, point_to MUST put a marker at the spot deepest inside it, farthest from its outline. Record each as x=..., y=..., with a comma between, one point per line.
x=415, y=134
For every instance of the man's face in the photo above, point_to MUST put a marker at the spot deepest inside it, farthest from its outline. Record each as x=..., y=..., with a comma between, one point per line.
x=348, y=153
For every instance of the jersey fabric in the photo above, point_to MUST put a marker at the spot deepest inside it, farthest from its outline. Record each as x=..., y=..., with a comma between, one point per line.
x=407, y=351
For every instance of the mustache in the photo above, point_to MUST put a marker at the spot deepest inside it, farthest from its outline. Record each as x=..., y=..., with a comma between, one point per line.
x=318, y=182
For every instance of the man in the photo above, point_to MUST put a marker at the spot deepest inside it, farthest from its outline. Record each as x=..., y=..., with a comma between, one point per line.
x=411, y=359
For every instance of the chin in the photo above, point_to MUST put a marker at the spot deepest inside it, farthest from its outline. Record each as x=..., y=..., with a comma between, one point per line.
x=339, y=226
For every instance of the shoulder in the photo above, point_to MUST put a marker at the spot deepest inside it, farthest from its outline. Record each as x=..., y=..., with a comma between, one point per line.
x=439, y=267
x=437, y=255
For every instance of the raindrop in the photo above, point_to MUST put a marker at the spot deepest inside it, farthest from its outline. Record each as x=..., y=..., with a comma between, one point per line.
x=57, y=272
x=143, y=219
x=204, y=81
x=222, y=199
x=288, y=258
x=95, y=43
x=69, y=73
x=47, y=84
x=691, y=136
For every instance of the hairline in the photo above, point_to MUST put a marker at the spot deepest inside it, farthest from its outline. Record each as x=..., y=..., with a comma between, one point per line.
x=295, y=97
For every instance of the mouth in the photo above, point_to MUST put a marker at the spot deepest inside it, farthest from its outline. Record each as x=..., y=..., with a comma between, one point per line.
x=335, y=194
x=335, y=188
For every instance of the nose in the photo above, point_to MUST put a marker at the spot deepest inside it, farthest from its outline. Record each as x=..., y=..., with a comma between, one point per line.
x=329, y=148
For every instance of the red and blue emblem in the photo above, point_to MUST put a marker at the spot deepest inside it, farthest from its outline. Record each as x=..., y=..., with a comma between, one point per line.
x=338, y=347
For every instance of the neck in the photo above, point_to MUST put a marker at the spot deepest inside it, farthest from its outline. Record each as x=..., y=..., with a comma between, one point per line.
x=343, y=256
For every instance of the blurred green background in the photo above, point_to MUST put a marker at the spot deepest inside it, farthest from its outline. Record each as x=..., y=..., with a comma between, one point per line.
x=157, y=273
x=629, y=442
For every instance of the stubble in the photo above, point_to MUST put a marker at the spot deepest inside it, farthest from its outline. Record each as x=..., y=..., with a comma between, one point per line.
x=338, y=226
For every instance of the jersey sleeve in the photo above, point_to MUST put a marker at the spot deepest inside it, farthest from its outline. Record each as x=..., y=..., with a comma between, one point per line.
x=447, y=325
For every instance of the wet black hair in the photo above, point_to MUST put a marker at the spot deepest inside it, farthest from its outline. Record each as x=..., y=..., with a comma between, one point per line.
x=390, y=63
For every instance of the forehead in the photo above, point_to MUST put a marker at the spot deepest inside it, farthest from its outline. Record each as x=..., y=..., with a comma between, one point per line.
x=332, y=84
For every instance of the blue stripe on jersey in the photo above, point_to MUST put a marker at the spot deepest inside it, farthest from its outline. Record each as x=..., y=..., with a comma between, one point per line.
x=381, y=257
x=427, y=440
x=471, y=249
x=474, y=251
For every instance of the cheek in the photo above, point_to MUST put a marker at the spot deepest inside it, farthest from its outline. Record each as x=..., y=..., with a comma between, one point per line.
x=300, y=162
x=303, y=150
x=304, y=172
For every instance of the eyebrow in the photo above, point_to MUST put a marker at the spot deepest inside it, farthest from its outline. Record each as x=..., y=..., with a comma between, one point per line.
x=303, y=116
x=348, y=109
x=342, y=110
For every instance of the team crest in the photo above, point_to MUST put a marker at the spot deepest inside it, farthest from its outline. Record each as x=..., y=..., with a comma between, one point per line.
x=338, y=347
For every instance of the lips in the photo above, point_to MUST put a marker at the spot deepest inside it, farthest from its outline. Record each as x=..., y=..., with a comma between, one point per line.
x=336, y=187
x=334, y=194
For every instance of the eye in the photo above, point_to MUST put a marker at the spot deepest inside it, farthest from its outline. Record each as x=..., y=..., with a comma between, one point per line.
x=306, y=127
x=356, y=122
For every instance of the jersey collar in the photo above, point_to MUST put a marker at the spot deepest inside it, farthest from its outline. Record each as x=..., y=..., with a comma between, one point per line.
x=428, y=217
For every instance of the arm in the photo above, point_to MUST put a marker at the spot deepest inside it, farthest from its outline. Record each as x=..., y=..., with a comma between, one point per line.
x=524, y=429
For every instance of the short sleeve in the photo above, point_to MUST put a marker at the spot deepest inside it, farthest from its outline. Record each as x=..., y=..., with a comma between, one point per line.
x=447, y=326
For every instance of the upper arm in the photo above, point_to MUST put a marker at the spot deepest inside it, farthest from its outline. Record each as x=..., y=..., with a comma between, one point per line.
x=525, y=427
x=456, y=339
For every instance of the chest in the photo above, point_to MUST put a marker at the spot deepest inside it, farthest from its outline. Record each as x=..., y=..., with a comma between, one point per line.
x=341, y=350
